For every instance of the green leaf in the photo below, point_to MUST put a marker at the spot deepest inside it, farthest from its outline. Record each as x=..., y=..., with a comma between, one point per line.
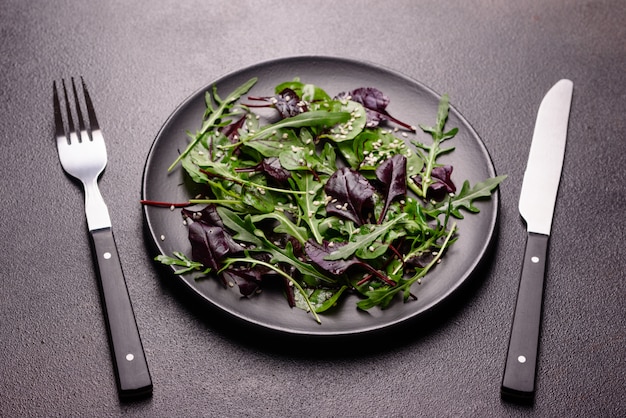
x=434, y=150
x=243, y=228
x=307, y=92
x=365, y=240
x=309, y=201
x=213, y=116
x=466, y=197
x=285, y=225
x=331, y=301
x=274, y=144
x=318, y=118
x=320, y=299
x=378, y=297
x=349, y=129
x=182, y=260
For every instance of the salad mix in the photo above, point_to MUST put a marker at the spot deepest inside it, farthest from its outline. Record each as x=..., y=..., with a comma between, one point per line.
x=328, y=198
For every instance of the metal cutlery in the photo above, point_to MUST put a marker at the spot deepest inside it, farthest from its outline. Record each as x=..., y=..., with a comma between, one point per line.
x=83, y=155
x=536, y=206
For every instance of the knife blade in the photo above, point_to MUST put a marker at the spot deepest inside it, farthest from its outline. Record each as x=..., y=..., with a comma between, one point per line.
x=536, y=206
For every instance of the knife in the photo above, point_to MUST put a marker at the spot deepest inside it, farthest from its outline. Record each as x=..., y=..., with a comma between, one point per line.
x=536, y=206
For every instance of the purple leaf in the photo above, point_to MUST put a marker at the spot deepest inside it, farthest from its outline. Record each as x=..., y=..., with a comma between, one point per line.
x=287, y=103
x=230, y=131
x=375, y=104
x=442, y=183
x=271, y=167
x=392, y=174
x=318, y=253
x=208, y=216
x=351, y=195
x=210, y=242
x=248, y=281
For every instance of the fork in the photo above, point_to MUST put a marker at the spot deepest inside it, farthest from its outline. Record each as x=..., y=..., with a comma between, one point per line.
x=83, y=155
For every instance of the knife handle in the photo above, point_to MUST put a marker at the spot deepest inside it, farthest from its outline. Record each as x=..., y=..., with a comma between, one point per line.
x=131, y=369
x=518, y=382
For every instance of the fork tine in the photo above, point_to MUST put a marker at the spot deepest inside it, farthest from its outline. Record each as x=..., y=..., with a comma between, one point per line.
x=58, y=118
x=93, y=121
x=70, y=119
x=79, y=115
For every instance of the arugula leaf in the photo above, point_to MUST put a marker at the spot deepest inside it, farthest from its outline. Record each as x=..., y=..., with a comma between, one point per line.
x=364, y=241
x=434, y=151
x=466, y=197
x=382, y=297
x=318, y=118
x=284, y=225
x=309, y=201
x=212, y=116
x=182, y=260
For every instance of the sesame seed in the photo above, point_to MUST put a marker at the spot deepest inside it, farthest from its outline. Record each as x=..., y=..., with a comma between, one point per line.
x=162, y=237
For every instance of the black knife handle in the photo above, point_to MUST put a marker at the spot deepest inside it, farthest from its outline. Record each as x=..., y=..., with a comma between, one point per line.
x=129, y=360
x=518, y=382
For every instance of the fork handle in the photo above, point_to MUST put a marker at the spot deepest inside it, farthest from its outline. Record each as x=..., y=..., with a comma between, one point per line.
x=131, y=369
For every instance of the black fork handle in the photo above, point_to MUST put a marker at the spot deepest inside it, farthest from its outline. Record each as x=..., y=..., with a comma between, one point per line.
x=131, y=368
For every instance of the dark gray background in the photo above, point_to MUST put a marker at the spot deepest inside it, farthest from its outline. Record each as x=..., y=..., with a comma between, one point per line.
x=495, y=58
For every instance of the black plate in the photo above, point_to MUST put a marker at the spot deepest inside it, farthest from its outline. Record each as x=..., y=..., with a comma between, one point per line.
x=411, y=102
